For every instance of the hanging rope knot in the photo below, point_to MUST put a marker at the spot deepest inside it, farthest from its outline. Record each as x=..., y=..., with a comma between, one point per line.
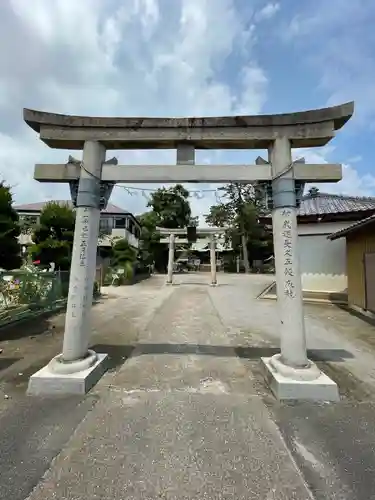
x=286, y=169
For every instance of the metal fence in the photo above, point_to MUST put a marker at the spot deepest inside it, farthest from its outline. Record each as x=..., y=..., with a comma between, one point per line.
x=24, y=294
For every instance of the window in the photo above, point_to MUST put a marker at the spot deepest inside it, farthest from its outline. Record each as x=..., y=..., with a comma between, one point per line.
x=105, y=225
x=120, y=222
x=29, y=219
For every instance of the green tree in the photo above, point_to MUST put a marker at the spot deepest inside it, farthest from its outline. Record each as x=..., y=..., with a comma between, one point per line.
x=239, y=211
x=27, y=224
x=124, y=256
x=10, y=250
x=53, y=236
x=171, y=207
x=150, y=249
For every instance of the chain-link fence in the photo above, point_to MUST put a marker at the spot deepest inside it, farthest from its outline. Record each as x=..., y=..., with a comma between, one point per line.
x=24, y=294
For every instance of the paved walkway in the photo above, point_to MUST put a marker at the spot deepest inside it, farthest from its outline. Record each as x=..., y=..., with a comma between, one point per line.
x=188, y=416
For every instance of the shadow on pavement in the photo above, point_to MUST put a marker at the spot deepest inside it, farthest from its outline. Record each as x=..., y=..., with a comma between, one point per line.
x=7, y=362
x=118, y=354
x=201, y=283
x=38, y=324
x=27, y=327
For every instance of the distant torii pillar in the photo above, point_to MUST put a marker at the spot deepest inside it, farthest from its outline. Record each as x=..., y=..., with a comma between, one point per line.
x=172, y=233
x=170, y=258
x=213, y=259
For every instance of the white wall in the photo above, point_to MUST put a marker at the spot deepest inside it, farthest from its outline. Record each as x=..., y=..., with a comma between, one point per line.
x=25, y=239
x=124, y=233
x=323, y=262
x=119, y=233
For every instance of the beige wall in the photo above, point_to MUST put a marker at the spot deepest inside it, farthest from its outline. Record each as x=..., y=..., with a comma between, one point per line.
x=358, y=244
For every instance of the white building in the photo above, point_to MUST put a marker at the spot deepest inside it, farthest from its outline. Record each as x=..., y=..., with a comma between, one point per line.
x=115, y=223
x=323, y=262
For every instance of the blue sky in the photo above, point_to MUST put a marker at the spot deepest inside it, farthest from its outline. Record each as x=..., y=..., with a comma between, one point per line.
x=185, y=58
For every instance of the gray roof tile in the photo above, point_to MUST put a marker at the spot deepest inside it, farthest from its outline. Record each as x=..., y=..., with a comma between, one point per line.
x=325, y=203
x=352, y=228
x=37, y=207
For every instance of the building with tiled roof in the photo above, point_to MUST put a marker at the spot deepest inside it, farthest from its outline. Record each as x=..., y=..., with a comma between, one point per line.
x=115, y=222
x=359, y=238
x=38, y=207
x=333, y=207
x=355, y=227
x=323, y=261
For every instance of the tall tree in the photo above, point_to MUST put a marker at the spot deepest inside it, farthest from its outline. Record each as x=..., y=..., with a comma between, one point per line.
x=171, y=206
x=150, y=248
x=10, y=250
x=239, y=211
x=53, y=236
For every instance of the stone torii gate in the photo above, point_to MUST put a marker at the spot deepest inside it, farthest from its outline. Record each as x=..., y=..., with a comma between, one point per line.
x=290, y=374
x=172, y=233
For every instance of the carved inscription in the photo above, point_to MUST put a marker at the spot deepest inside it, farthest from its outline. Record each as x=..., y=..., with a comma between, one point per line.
x=286, y=235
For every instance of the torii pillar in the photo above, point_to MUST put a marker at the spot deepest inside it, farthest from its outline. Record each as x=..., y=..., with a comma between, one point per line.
x=170, y=259
x=171, y=233
x=213, y=259
x=78, y=367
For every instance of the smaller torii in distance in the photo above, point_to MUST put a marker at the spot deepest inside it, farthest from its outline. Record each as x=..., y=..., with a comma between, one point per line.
x=202, y=231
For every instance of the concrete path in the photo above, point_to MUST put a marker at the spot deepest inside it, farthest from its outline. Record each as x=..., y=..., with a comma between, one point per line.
x=188, y=415
x=34, y=430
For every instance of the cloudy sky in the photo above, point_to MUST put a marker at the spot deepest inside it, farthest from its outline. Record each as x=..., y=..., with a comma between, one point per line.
x=184, y=58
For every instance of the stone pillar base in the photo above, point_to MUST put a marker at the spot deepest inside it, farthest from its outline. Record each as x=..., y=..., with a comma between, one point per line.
x=214, y=284
x=59, y=366
x=289, y=383
x=58, y=378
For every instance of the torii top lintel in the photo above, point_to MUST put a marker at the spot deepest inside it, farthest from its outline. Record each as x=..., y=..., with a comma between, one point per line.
x=304, y=129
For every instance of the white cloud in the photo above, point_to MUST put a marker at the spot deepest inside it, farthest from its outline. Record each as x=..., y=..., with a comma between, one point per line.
x=139, y=58
x=124, y=58
x=268, y=11
x=355, y=159
x=352, y=182
x=253, y=85
x=336, y=38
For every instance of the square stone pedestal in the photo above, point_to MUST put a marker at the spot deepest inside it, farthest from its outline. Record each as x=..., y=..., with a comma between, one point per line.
x=47, y=383
x=286, y=388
